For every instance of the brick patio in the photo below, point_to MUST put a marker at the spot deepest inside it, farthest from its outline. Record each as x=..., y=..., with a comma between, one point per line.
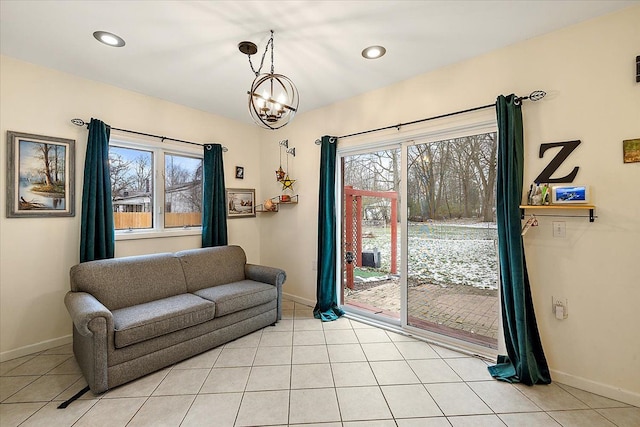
x=459, y=311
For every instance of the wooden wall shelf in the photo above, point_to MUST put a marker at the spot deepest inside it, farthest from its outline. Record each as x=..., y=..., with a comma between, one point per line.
x=276, y=203
x=590, y=208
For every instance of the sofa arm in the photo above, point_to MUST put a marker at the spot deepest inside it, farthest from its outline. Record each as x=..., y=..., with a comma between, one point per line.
x=83, y=308
x=261, y=273
x=270, y=275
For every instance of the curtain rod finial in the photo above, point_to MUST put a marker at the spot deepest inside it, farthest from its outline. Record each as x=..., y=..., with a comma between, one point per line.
x=537, y=95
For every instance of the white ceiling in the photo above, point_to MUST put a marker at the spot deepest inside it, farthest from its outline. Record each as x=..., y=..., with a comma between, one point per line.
x=186, y=51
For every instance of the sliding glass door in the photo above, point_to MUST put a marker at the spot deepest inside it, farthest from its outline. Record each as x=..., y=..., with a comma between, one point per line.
x=452, y=280
x=419, y=248
x=370, y=233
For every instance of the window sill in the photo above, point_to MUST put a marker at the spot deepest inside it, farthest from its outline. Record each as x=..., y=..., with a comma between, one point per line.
x=155, y=234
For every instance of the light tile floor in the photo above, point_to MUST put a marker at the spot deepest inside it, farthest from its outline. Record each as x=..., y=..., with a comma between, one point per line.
x=302, y=372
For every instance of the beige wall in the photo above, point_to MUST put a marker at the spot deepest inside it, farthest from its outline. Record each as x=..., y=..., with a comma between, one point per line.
x=589, y=73
x=36, y=253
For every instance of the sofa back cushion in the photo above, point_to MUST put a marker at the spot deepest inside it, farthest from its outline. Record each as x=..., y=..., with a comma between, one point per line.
x=215, y=266
x=123, y=282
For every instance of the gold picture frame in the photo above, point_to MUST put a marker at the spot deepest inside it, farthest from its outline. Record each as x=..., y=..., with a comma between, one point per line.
x=631, y=150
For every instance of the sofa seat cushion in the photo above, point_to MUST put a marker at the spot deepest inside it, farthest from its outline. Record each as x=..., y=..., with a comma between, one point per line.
x=237, y=296
x=149, y=320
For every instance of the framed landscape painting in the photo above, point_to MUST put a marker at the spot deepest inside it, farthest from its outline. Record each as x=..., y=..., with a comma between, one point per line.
x=631, y=150
x=241, y=202
x=40, y=176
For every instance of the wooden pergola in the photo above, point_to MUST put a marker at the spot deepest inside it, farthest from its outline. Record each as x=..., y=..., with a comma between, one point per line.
x=353, y=232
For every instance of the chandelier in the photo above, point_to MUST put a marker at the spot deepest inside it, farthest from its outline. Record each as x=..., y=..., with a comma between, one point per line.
x=273, y=98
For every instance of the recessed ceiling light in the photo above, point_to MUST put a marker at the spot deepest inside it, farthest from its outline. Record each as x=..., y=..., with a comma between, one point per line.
x=109, y=39
x=374, y=52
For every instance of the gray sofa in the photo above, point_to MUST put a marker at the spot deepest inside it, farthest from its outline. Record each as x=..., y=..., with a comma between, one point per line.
x=135, y=315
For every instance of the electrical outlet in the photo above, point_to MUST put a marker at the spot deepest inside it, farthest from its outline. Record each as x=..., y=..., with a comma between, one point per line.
x=559, y=229
x=560, y=308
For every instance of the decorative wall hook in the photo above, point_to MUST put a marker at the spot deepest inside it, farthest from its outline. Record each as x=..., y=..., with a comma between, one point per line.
x=292, y=151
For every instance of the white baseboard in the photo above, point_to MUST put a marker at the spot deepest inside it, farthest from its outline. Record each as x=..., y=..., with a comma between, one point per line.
x=35, y=348
x=297, y=299
x=615, y=393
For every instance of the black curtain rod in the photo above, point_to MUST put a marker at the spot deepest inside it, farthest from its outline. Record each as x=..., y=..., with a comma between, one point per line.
x=80, y=122
x=533, y=96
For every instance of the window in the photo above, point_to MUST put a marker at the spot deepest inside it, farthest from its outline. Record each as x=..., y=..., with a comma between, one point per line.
x=154, y=189
x=182, y=191
x=131, y=172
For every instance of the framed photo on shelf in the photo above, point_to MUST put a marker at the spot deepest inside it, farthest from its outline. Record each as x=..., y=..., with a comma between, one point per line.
x=241, y=202
x=40, y=176
x=570, y=194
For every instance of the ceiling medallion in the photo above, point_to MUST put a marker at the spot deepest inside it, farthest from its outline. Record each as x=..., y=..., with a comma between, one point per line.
x=273, y=98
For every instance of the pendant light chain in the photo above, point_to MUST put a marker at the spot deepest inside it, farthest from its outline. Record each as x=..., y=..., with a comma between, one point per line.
x=266, y=48
x=271, y=41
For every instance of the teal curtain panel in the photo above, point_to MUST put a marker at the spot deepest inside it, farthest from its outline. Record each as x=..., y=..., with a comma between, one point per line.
x=525, y=361
x=97, y=235
x=214, y=214
x=326, y=308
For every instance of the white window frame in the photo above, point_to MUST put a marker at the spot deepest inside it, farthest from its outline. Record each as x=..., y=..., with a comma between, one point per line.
x=159, y=150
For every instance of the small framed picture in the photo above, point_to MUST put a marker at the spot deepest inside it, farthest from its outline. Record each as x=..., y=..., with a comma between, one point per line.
x=239, y=172
x=241, y=202
x=631, y=150
x=40, y=176
x=569, y=194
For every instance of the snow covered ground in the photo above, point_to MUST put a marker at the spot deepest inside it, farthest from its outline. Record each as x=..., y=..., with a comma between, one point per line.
x=443, y=253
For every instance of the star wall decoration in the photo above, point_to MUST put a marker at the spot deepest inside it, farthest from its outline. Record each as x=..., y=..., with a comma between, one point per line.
x=280, y=174
x=287, y=183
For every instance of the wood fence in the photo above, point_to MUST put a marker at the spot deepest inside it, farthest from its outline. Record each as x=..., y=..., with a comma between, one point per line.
x=126, y=220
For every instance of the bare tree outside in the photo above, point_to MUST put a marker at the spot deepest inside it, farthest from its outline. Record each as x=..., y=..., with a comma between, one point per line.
x=143, y=173
x=453, y=179
x=119, y=171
